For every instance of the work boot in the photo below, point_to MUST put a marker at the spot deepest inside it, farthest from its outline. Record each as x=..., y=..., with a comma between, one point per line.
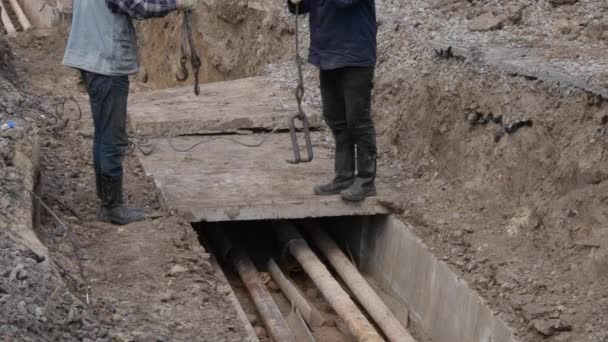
x=98, y=185
x=344, y=165
x=364, y=184
x=113, y=209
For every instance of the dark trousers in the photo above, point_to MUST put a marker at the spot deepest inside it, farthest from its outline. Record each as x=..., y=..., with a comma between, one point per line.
x=346, y=94
x=108, y=96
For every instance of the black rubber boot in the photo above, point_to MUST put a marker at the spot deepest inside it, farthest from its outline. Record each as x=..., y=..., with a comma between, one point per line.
x=364, y=184
x=98, y=186
x=345, y=171
x=113, y=209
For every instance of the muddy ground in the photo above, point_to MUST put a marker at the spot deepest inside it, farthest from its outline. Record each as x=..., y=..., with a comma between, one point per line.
x=519, y=214
x=150, y=282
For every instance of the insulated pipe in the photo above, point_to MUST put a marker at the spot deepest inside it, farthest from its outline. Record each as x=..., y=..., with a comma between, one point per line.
x=357, y=324
x=311, y=315
x=370, y=300
x=25, y=23
x=6, y=21
x=271, y=315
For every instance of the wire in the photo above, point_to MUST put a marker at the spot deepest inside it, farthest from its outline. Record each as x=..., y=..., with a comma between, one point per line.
x=184, y=150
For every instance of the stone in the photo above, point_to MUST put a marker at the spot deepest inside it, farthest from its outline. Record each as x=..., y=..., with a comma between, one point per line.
x=599, y=263
x=14, y=133
x=487, y=22
x=177, y=269
x=549, y=327
x=166, y=297
x=260, y=332
x=532, y=311
x=515, y=13
x=519, y=300
x=16, y=272
x=562, y=2
x=562, y=26
x=272, y=286
x=253, y=319
x=312, y=293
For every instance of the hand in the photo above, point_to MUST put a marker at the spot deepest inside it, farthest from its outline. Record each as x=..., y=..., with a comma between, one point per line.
x=187, y=5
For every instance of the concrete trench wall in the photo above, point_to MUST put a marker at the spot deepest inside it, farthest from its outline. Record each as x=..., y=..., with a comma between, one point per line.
x=443, y=305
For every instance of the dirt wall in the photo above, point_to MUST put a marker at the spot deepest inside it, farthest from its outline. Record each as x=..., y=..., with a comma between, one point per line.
x=520, y=212
x=235, y=38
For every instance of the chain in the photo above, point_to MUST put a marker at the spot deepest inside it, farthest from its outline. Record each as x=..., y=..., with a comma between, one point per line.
x=300, y=90
x=187, y=43
x=301, y=115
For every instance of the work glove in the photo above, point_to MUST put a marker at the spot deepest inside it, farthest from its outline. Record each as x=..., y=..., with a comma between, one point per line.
x=187, y=5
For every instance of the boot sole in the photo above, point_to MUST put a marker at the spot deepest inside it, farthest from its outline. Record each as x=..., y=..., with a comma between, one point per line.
x=327, y=193
x=357, y=198
x=113, y=220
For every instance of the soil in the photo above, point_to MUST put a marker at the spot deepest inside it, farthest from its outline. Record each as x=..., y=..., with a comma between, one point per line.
x=235, y=39
x=151, y=281
x=519, y=214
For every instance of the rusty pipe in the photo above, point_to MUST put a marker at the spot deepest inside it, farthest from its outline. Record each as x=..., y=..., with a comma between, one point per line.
x=25, y=23
x=311, y=315
x=6, y=21
x=357, y=324
x=368, y=298
x=271, y=315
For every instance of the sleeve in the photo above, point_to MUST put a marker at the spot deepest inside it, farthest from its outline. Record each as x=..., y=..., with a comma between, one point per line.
x=304, y=7
x=142, y=9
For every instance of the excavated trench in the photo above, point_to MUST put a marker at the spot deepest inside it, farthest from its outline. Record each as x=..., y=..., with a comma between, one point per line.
x=423, y=294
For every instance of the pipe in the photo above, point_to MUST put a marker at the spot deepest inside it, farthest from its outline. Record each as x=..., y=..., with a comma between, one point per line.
x=357, y=324
x=251, y=335
x=370, y=300
x=6, y=21
x=311, y=315
x=271, y=315
x=25, y=23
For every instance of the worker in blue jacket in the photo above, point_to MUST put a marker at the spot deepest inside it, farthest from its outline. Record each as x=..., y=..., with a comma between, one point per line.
x=343, y=47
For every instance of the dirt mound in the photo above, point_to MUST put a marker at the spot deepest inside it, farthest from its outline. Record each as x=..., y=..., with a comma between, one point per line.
x=35, y=301
x=235, y=39
x=504, y=176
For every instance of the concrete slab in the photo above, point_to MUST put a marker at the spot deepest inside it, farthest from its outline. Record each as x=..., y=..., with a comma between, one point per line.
x=224, y=107
x=223, y=181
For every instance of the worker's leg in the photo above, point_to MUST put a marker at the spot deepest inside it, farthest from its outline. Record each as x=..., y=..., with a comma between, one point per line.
x=108, y=96
x=358, y=84
x=334, y=112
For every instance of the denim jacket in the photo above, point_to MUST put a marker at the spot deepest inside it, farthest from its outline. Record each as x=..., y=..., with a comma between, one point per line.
x=100, y=41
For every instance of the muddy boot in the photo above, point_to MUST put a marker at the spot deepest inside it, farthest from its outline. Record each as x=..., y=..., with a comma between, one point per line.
x=113, y=209
x=345, y=171
x=98, y=186
x=364, y=184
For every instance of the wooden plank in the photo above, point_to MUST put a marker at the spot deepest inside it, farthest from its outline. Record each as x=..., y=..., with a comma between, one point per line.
x=224, y=181
x=223, y=107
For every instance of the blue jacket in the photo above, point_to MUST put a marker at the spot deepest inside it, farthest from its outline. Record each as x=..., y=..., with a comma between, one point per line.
x=342, y=32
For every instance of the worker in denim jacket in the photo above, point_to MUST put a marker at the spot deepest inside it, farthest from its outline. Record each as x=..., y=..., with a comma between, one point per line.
x=103, y=46
x=343, y=46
